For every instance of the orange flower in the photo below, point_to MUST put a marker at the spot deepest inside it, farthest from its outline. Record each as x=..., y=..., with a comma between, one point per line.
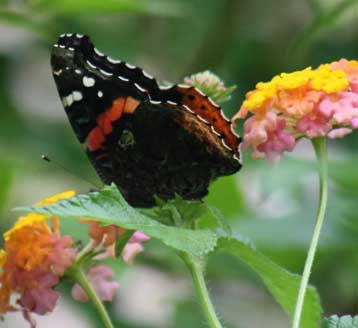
x=34, y=257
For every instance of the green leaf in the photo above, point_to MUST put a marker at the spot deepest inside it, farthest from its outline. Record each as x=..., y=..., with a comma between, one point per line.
x=188, y=213
x=282, y=284
x=95, y=7
x=340, y=322
x=109, y=207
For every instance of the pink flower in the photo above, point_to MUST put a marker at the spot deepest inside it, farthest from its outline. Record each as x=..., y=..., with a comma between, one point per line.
x=355, y=123
x=36, y=258
x=278, y=141
x=139, y=237
x=130, y=251
x=339, y=133
x=266, y=135
x=62, y=256
x=314, y=125
x=299, y=103
x=343, y=108
x=307, y=103
x=351, y=69
x=43, y=298
x=100, y=277
x=256, y=130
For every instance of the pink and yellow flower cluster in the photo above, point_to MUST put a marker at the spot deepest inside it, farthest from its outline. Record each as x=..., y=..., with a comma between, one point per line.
x=34, y=258
x=307, y=103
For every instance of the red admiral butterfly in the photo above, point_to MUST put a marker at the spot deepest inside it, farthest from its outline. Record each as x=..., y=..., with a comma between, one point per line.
x=147, y=139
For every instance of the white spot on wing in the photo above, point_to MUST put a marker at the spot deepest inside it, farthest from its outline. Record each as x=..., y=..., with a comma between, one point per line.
x=234, y=132
x=147, y=75
x=67, y=101
x=237, y=158
x=139, y=87
x=155, y=102
x=188, y=109
x=123, y=78
x=184, y=86
x=98, y=53
x=90, y=64
x=202, y=119
x=105, y=72
x=113, y=61
x=62, y=46
x=78, y=71
x=224, y=116
x=200, y=92
x=100, y=94
x=88, y=81
x=214, y=131
x=225, y=144
x=77, y=95
x=172, y=103
x=213, y=103
x=69, y=35
x=71, y=49
x=166, y=87
x=130, y=66
x=80, y=36
x=58, y=73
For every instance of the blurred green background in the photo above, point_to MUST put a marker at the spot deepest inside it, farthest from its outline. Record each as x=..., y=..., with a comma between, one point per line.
x=242, y=41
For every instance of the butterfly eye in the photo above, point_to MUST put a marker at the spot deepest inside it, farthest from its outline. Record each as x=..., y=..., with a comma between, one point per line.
x=126, y=140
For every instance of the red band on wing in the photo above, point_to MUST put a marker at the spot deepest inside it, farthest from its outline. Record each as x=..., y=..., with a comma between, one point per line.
x=104, y=127
x=202, y=106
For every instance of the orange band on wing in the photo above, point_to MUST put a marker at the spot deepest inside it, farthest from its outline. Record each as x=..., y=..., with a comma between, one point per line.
x=104, y=127
x=203, y=107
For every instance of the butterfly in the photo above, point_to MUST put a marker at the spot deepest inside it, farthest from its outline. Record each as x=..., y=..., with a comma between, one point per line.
x=150, y=140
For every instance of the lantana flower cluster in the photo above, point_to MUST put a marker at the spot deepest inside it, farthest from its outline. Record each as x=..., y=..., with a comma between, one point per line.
x=36, y=257
x=307, y=103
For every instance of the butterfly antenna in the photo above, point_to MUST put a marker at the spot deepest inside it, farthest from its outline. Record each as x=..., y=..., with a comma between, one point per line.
x=49, y=160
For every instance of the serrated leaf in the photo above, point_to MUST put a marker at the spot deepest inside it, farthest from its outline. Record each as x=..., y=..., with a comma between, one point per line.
x=109, y=207
x=282, y=284
x=340, y=322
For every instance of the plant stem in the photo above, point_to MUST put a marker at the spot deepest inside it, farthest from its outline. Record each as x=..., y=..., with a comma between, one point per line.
x=79, y=276
x=196, y=267
x=320, y=147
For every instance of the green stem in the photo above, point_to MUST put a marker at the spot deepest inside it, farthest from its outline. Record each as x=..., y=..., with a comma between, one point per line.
x=79, y=276
x=320, y=147
x=196, y=268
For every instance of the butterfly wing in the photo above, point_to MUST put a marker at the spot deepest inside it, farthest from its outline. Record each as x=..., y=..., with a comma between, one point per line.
x=146, y=139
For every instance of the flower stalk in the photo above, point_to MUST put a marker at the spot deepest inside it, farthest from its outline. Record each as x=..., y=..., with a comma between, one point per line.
x=77, y=274
x=320, y=147
x=196, y=268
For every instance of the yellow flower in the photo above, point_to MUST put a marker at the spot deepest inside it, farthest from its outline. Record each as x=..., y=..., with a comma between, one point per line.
x=33, y=218
x=294, y=80
x=264, y=91
x=55, y=198
x=324, y=79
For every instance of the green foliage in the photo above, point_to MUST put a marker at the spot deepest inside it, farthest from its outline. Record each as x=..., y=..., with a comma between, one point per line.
x=95, y=7
x=109, y=207
x=282, y=284
x=340, y=322
x=194, y=214
x=6, y=175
